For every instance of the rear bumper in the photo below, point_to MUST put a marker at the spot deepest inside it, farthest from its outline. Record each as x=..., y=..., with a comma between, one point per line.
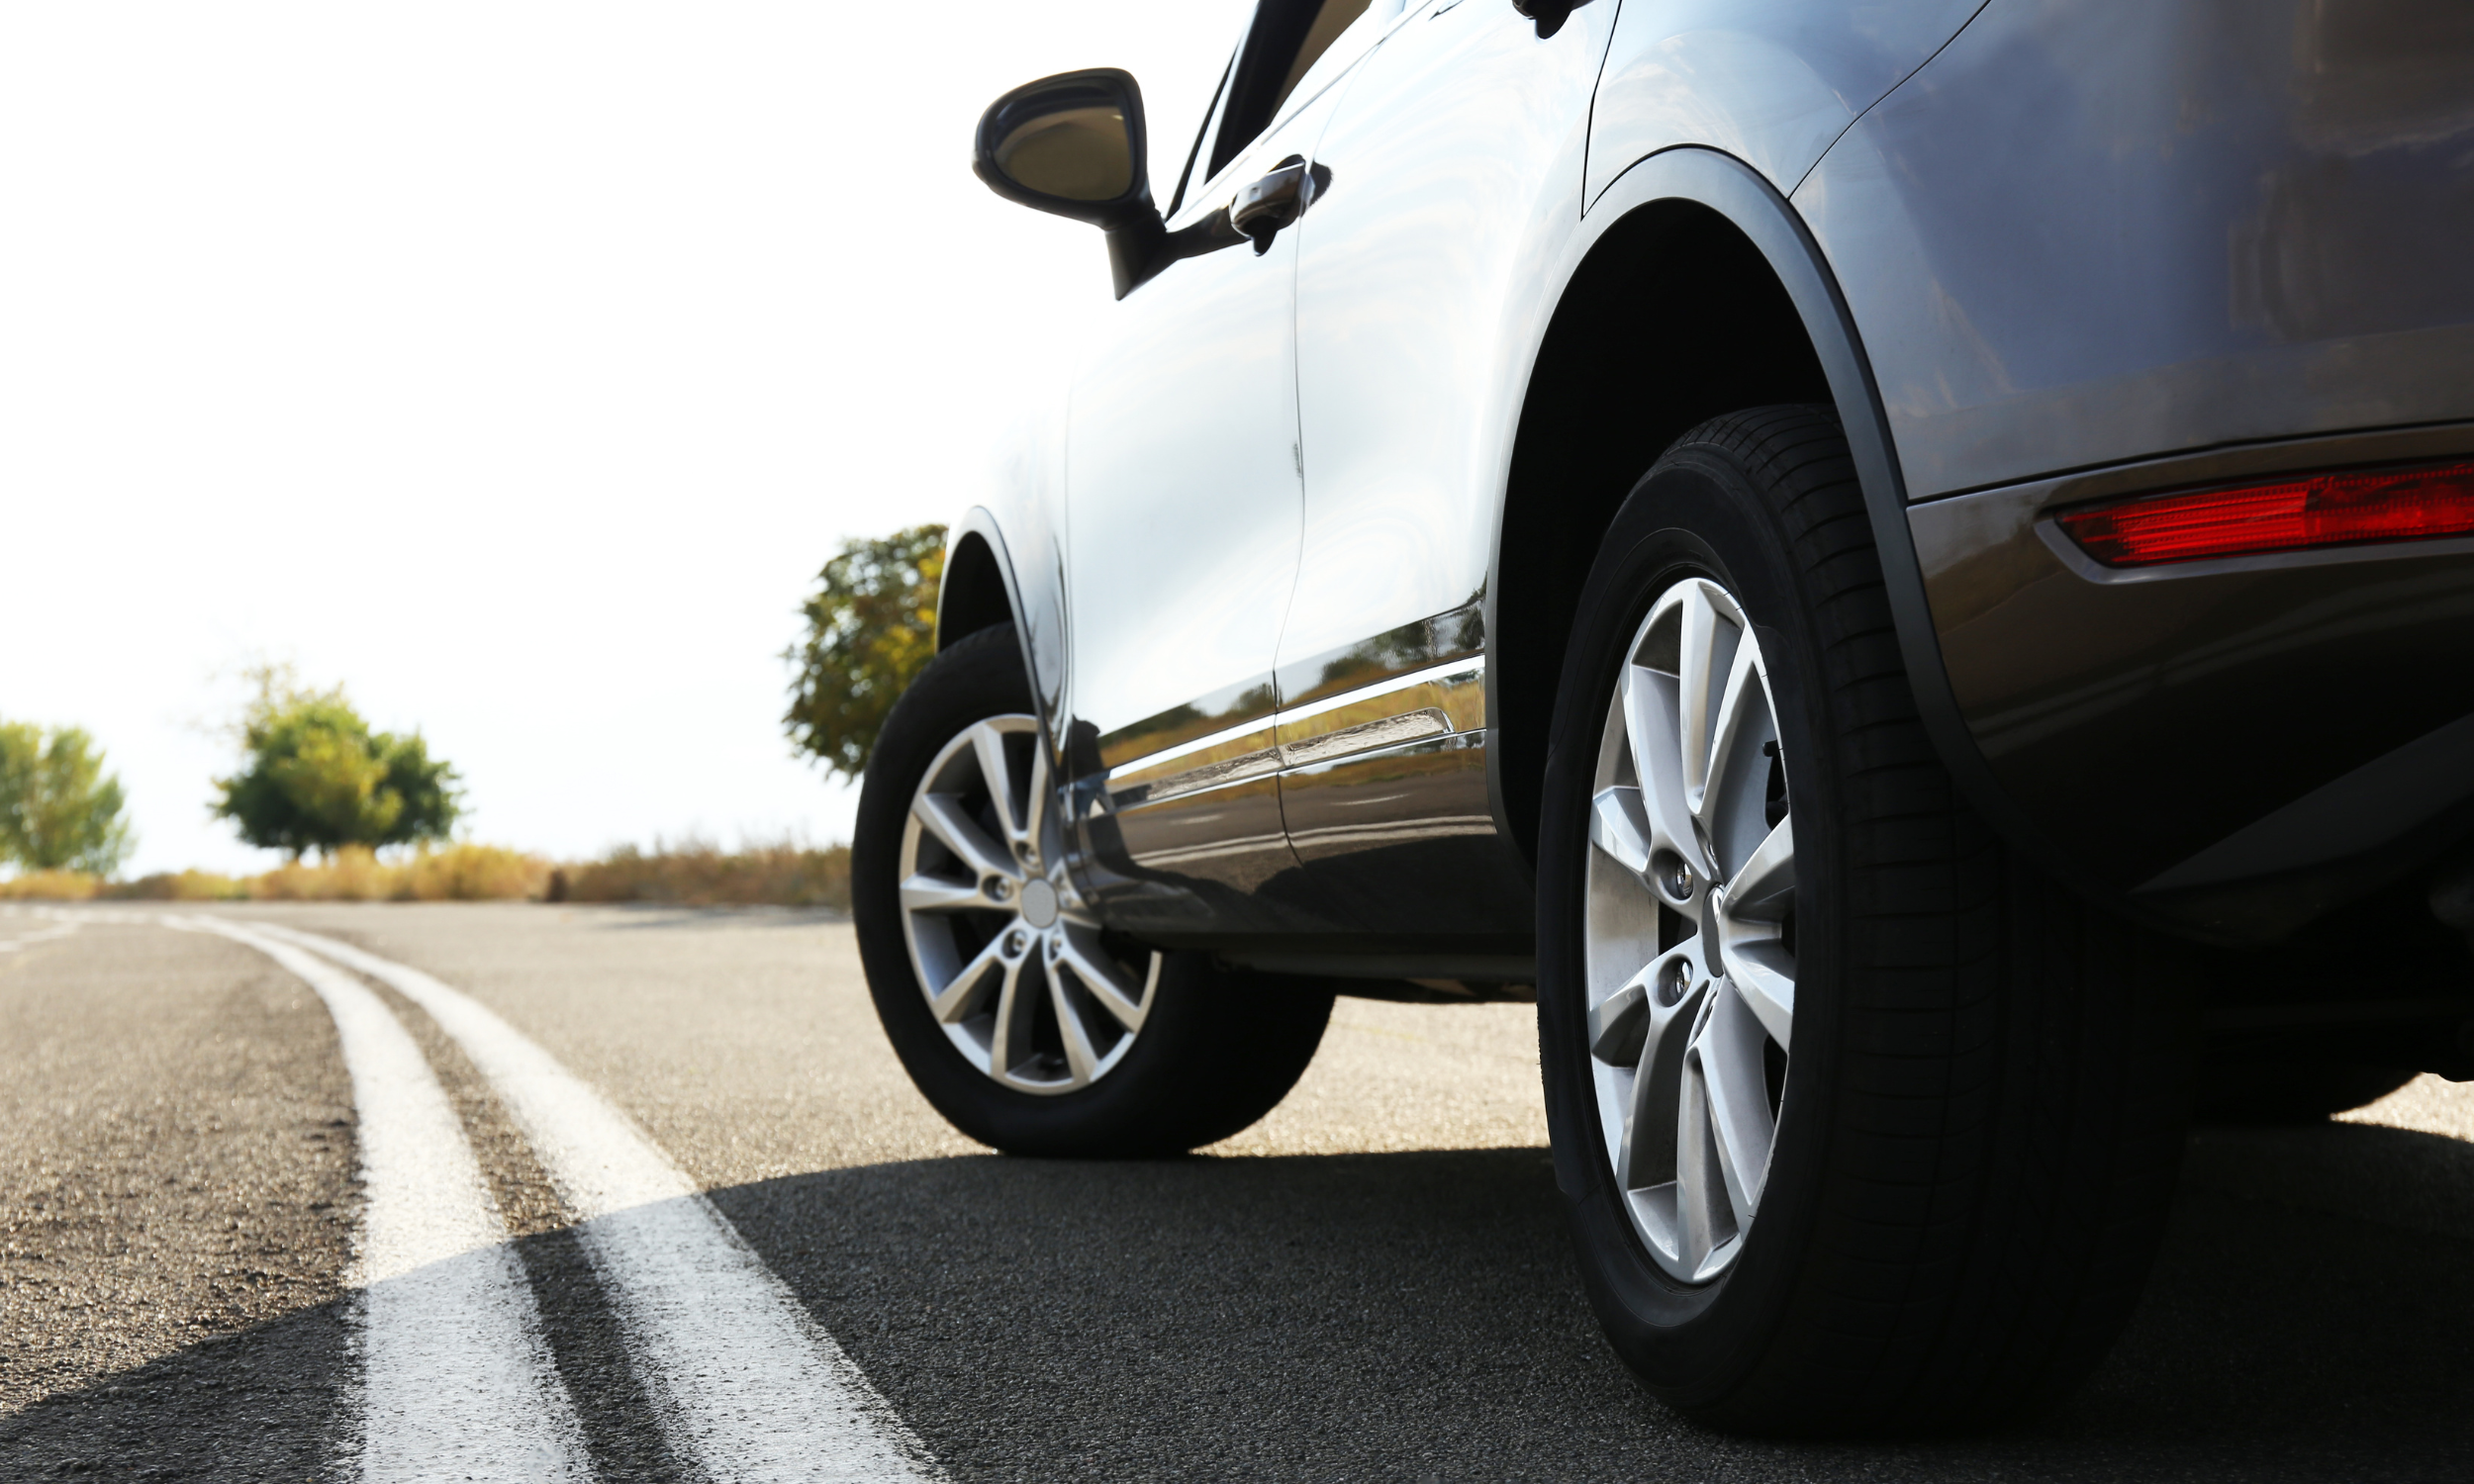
x=2233, y=747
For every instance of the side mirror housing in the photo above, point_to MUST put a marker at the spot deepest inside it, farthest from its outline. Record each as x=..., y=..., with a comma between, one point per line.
x=1074, y=145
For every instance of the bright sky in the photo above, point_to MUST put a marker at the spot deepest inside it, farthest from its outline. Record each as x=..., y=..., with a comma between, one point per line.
x=516, y=365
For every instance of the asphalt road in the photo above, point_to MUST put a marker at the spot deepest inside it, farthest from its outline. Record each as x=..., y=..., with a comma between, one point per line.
x=204, y=1157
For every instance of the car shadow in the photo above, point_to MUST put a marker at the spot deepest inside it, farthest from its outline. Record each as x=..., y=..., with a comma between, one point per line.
x=1415, y=1316
x=1419, y=1315
x=256, y=1404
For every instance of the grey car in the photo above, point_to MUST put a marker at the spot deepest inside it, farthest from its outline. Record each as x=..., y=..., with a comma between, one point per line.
x=1905, y=568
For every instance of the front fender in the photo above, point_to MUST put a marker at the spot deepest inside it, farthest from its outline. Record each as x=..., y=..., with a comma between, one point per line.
x=1010, y=548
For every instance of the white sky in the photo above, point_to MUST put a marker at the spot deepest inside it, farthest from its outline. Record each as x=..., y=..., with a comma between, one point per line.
x=514, y=364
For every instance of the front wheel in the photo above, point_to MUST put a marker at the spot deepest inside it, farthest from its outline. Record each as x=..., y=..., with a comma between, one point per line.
x=1862, y=1126
x=1028, y=1023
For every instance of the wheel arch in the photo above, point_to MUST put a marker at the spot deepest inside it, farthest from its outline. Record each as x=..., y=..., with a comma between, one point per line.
x=983, y=586
x=977, y=590
x=1678, y=253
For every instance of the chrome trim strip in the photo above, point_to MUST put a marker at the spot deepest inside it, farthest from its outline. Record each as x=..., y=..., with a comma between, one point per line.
x=1147, y=781
x=1462, y=671
x=1210, y=776
x=1459, y=634
x=1316, y=746
x=1367, y=736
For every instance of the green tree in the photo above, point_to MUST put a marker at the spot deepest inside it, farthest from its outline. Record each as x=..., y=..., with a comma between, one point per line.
x=871, y=628
x=58, y=809
x=319, y=779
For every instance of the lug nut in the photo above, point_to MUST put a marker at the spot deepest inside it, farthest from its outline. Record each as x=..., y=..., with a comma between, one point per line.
x=1673, y=874
x=1015, y=942
x=1670, y=984
x=999, y=888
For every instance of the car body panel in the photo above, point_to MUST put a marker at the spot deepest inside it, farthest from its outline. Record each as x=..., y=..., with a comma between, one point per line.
x=1771, y=82
x=1017, y=520
x=2102, y=250
x=2089, y=233
x=1454, y=164
x=1185, y=499
x=1454, y=170
x=2167, y=725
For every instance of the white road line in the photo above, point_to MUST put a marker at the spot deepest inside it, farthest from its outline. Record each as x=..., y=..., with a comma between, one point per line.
x=747, y=1382
x=61, y=929
x=455, y=1380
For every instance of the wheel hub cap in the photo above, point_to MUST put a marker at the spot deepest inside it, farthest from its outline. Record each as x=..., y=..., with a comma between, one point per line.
x=1039, y=905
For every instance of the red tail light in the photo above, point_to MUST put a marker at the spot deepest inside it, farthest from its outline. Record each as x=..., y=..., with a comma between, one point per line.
x=2321, y=509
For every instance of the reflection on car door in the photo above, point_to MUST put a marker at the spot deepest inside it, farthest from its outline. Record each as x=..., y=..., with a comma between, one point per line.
x=1184, y=514
x=1455, y=152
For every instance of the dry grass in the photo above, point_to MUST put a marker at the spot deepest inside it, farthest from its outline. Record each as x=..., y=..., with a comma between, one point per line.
x=474, y=873
x=692, y=873
x=696, y=874
x=50, y=886
x=184, y=885
x=454, y=873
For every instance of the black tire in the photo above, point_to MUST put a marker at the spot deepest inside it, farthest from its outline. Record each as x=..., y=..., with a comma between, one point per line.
x=1981, y=1122
x=2288, y=1092
x=1217, y=1052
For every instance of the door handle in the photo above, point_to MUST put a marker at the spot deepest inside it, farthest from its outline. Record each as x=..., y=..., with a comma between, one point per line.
x=1261, y=208
x=1548, y=14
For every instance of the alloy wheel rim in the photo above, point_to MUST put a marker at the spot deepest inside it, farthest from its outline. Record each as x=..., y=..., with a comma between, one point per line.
x=1688, y=929
x=1018, y=971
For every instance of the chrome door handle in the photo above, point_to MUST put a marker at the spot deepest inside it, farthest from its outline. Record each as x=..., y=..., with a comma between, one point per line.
x=1263, y=206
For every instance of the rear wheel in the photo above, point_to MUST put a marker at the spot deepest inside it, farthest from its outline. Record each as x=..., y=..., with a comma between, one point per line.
x=1024, y=1020
x=1862, y=1124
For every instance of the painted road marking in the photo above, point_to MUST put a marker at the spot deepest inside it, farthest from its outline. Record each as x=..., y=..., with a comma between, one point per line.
x=59, y=929
x=747, y=1382
x=457, y=1382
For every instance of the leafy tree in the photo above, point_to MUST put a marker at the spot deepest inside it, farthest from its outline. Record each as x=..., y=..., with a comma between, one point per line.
x=58, y=810
x=319, y=779
x=871, y=628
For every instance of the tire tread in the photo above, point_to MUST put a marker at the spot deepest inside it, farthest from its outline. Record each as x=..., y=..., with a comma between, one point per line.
x=2006, y=1130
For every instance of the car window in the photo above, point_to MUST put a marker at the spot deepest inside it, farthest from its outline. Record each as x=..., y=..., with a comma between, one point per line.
x=1335, y=17
x=1288, y=38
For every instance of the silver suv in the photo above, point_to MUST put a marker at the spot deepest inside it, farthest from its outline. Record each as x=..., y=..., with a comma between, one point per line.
x=1906, y=568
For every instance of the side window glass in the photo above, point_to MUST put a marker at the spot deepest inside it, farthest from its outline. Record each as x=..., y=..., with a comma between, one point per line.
x=1335, y=17
x=1288, y=37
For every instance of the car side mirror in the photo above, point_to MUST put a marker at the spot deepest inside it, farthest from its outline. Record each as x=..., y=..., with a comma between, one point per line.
x=1074, y=145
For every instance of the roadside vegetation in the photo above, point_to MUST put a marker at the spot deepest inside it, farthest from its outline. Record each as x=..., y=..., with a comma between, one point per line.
x=59, y=811
x=691, y=874
x=314, y=776
x=784, y=873
x=871, y=628
x=367, y=815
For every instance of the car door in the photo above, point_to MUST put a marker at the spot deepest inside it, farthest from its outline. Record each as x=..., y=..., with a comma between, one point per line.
x=1455, y=164
x=1184, y=514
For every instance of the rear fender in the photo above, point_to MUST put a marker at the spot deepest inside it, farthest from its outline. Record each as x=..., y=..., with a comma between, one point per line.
x=1736, y=192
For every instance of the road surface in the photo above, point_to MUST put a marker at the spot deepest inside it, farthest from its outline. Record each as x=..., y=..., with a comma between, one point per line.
x=511, y=1191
